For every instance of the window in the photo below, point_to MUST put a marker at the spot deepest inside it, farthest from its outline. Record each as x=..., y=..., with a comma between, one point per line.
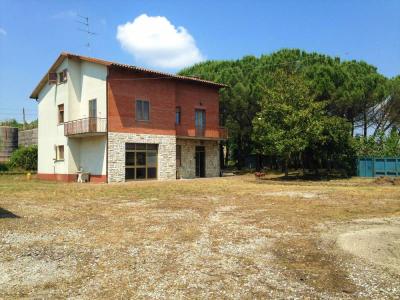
x=200, y=118
x=141, y=161
x=61, y=114
x=178, y=115
x=52, y=78
x=142, y=110
x=60, y=152
x=62, y=76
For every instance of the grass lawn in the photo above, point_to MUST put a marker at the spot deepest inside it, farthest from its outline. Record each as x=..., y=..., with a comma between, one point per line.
x=233, y=237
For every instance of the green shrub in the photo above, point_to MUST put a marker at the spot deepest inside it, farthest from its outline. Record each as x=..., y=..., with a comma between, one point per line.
x=378, y=145
x=3, y=167
x=24, y=158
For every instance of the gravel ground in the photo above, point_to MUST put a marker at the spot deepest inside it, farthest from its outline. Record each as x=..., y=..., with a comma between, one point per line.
x=223, y=238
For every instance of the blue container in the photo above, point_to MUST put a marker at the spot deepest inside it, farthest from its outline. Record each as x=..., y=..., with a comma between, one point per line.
x=375, y=167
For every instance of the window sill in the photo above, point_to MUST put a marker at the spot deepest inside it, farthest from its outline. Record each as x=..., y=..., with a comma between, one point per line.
x=58, y=160
x=144, y=121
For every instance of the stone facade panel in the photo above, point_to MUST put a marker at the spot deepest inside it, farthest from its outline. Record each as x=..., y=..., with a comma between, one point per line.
x=188, y=161
x=116, y=154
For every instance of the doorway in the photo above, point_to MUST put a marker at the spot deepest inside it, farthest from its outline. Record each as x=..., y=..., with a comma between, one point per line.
x=200, y=161
x=93, y=115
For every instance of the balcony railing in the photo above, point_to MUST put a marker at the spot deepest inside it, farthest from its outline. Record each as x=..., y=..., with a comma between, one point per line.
x=85, y=126
x=200, y=131
x=223, y=133
x=219, y=133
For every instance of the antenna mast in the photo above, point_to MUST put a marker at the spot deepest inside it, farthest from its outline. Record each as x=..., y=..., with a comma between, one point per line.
x=85, y=22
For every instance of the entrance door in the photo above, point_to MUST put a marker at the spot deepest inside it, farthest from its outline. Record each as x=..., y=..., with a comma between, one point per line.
x=200, y=161
x=200, y=121
x=93, y=115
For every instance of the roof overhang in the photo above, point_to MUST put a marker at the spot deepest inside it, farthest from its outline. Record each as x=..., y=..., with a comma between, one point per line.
x=63, y=55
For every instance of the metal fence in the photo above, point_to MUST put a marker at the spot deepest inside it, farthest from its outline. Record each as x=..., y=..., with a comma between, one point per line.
x=375, y=167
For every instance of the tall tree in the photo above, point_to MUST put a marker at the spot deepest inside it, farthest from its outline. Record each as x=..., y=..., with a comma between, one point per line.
x=350, y=90
x=288, y=117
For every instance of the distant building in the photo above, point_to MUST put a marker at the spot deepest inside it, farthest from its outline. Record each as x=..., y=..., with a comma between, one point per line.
x=120, y=122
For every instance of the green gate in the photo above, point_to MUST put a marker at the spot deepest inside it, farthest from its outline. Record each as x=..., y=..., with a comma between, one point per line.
x=375, y=167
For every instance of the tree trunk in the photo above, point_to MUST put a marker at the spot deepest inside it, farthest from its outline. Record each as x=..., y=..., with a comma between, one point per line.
x=352, y=127
x=226, y=154
x=365, y=122
x=286, y=168
x=221, y=156
x=258, y=162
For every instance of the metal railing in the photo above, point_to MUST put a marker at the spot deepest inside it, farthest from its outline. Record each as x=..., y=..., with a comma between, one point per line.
x=85, y=126
x=223, y=133
x=200, y=131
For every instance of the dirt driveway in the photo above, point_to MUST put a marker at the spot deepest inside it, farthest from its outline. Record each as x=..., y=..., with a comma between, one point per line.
x=220, y=238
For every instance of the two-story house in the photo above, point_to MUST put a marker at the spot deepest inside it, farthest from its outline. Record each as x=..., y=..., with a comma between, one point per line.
x=120, y=122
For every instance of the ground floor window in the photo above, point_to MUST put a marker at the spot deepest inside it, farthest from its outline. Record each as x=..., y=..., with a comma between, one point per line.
x=141, y=161
x=60, y=152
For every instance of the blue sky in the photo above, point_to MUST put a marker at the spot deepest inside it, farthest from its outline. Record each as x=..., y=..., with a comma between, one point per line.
x=33, y=33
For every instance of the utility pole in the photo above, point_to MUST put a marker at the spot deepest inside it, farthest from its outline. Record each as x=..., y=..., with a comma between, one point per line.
x=23, y=117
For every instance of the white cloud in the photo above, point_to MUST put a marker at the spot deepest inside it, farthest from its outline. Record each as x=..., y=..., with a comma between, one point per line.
x=157, y=42
x=65, y=14
x=3, y=31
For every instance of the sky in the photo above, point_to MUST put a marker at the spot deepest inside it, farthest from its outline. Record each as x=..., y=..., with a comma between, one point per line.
x=169, y=35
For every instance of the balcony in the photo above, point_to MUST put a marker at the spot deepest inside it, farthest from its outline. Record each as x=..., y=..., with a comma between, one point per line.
x=201, y=133
x=85, y=127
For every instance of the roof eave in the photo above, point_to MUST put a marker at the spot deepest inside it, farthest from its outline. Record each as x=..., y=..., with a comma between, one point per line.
x=63, y=55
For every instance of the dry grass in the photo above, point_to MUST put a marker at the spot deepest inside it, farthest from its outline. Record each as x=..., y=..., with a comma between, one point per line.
x=234, y=237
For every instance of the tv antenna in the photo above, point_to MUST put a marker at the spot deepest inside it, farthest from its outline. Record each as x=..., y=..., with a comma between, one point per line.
x=85, y=22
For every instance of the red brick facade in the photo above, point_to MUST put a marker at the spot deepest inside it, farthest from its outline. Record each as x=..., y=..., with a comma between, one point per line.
x=164, y=94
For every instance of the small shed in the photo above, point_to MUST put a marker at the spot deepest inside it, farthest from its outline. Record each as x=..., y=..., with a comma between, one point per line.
x=378, y=166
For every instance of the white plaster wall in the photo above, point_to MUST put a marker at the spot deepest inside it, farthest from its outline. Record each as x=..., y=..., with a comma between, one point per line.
x=93, y=155
x=93, y=87
x=75, y=89
x=86, y=81
x=49, y=132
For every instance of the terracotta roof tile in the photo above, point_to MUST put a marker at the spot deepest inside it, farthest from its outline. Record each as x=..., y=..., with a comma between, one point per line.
x=63, y=55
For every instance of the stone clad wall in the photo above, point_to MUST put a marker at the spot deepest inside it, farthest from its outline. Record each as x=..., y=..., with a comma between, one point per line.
x=188, y=163
x=116, y=154
x=212, y=159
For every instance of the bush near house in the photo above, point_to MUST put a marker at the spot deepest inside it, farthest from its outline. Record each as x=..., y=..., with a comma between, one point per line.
x=3, y=167
x=24, y=158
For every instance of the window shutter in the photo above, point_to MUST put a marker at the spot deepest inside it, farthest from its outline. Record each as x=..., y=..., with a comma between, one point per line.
x=138, y=110
x=52, y=77
x=63, y=75
x=145, y=110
